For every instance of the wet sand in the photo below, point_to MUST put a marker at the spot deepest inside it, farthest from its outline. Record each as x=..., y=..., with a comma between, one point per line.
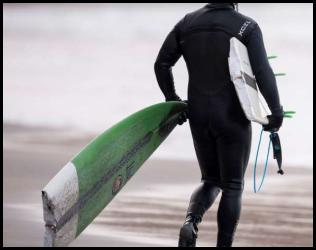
x=151, y=208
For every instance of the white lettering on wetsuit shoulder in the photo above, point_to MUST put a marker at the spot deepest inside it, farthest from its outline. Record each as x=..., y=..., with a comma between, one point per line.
x=244, y=27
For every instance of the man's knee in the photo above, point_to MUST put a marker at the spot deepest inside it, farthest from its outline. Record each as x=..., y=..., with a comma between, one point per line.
x=232, y=187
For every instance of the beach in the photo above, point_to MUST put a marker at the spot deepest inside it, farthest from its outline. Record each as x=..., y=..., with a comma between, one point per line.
x=73, y=70
x=151, y=208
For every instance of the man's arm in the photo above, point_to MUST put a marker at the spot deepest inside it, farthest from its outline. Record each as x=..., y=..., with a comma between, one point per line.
x=265, y=78
x=262, y=70
x=168, y=55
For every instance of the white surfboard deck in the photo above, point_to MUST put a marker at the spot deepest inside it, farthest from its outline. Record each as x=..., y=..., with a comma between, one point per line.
x=245, y=82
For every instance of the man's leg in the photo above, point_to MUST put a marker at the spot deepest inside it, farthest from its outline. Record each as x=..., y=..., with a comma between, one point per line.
x=233, y=154
x=205, y=194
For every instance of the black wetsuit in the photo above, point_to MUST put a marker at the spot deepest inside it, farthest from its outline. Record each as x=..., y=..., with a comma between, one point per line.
x=220, y=130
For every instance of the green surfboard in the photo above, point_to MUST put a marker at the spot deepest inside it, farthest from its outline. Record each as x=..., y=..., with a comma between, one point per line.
x=87, y=184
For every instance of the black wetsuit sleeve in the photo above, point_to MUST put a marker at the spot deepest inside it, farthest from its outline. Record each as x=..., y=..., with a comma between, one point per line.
x=167, y=57
x=262, y=69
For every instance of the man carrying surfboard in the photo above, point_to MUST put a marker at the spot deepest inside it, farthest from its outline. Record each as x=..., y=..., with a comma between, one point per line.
x=220, y=129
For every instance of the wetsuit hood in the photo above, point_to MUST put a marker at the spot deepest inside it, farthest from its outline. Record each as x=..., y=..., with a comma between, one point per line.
x=221, y=6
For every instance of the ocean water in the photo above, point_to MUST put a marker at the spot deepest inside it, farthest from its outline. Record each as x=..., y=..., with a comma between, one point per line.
x=87, y=66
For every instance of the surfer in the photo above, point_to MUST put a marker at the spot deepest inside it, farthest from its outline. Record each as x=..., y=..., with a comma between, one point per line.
x=220, y=130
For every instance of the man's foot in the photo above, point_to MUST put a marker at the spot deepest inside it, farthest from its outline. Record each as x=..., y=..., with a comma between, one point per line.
x=187, y=236
x=188, y=232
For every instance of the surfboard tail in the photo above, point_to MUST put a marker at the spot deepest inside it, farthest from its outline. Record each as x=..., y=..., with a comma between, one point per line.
x=59, y=195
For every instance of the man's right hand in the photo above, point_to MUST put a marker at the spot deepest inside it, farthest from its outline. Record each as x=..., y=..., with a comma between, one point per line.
x=173, y=98
x=184, y=115
x=182, y=118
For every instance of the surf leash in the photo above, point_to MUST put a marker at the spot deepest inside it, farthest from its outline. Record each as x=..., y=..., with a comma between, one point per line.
x=255, y=166
x=277, y=154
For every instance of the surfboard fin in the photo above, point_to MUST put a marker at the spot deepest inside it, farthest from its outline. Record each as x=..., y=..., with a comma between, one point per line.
x=279, y=74
x=272, y=57
x=289, y=114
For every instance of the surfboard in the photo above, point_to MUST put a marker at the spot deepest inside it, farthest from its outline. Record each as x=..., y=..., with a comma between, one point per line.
x=88, y=183
x=245, y=82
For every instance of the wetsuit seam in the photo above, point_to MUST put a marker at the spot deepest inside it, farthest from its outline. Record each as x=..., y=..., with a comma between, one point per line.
x=204, y=29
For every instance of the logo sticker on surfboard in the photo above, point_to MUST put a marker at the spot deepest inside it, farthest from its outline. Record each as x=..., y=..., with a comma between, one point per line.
x=117, y=184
